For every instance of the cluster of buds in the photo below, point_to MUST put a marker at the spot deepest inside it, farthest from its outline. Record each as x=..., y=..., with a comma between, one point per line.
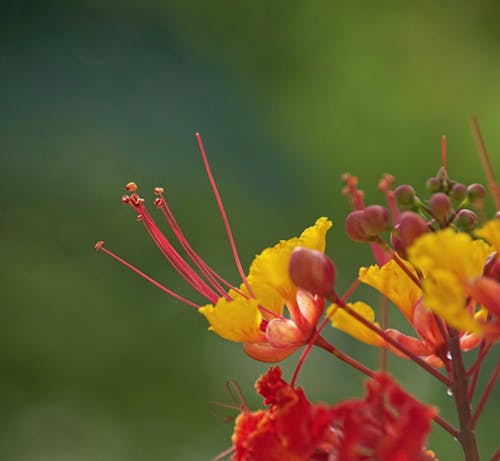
x=436, y=261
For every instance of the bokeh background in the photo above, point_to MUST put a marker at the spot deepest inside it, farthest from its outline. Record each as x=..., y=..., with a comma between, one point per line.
x=96, y=364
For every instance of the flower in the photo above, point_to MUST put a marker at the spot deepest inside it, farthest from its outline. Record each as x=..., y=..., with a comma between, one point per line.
x=388, y=424
x=253, y=314
x=449, y=262
x=291, y=428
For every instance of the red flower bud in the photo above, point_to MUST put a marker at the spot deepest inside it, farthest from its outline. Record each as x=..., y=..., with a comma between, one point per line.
x=375, y=220
x=440, y=205
x=354, y=227
x=411, y=226
x=312, y=270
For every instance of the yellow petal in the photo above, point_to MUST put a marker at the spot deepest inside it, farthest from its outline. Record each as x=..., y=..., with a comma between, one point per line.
x=343, y=321
x=450, y=251
x=237, y=320
x=491, y=232
x=394, y=283
x=444, y=295
x=270, y=268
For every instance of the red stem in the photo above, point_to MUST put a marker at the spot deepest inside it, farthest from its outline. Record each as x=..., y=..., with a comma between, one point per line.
x=488, y=169
x=460, y=391
x=334, y=298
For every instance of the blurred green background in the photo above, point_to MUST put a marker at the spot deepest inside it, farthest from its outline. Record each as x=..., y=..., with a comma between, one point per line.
x=96, y=364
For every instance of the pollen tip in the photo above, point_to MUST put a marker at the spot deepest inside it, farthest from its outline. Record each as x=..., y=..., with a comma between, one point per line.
x=159, y=190
x=98, y=245
x=131, y=186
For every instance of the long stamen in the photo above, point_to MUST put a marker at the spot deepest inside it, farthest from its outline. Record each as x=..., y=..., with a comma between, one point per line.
x=211, y=276
x=99, y=247
x=166, y=248
x=224, y=215
x=174, y=258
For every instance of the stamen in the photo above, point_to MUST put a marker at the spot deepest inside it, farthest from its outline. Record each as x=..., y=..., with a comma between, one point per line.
x=99, y=247
x=173, y=257
x=211, y=276
x=223, y=215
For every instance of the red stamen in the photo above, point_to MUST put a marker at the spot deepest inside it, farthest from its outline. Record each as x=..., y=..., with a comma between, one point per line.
x=443, y=152
x=99, y=247
x=211, y=276
x=173, y=257
x=223, y=215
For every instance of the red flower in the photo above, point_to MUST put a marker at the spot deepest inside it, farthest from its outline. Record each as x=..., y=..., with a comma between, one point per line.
x=388, y=424
x=291, y=428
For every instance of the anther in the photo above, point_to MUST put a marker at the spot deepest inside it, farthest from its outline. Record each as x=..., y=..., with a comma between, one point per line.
x=158, y=190
x=158, y=202
x=125, y=199
x=139, y=217
x=131, y=186
x=98, y=245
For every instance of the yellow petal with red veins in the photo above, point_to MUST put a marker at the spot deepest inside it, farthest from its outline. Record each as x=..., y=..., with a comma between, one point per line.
x=236, y=320
x=342, y=320
x=491, y=232
x=270, y=268
x=394, y=283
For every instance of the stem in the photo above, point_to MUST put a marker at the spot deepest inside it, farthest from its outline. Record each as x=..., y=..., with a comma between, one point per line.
x=321, y=342
x=334, y=298
x=460, y=390
x=488, y=169
x=496, y=455
x=487, y=392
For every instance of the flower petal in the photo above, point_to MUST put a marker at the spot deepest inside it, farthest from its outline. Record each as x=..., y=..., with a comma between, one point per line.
x=236, y=320
x=270, y=268
x=342, y=320
x=394, y=283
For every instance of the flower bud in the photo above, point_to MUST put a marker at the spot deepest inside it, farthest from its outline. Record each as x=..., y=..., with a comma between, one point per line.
x=476, y=193
x=440, y=205
x=404, y=196
x=433, y=185
x=354, y=227
x=458, y=192
x=411, y=226
x=312, y=270
x=465, y=220
x=375, y=220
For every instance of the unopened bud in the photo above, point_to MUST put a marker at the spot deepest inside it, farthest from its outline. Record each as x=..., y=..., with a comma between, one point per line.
x=404, y=196
x=312, y=270
x=476, y=193
x=375, y=220
x=465, y=220
x=433, y=185
x=411, y=226
x=458, y=192
x=440, y=205
x=354, y=227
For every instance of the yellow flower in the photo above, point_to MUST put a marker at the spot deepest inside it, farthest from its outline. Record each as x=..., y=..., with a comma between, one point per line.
x=393, y=283
x=448, y=261
x=342, y=320
x=491, y=232
x=239, y=316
